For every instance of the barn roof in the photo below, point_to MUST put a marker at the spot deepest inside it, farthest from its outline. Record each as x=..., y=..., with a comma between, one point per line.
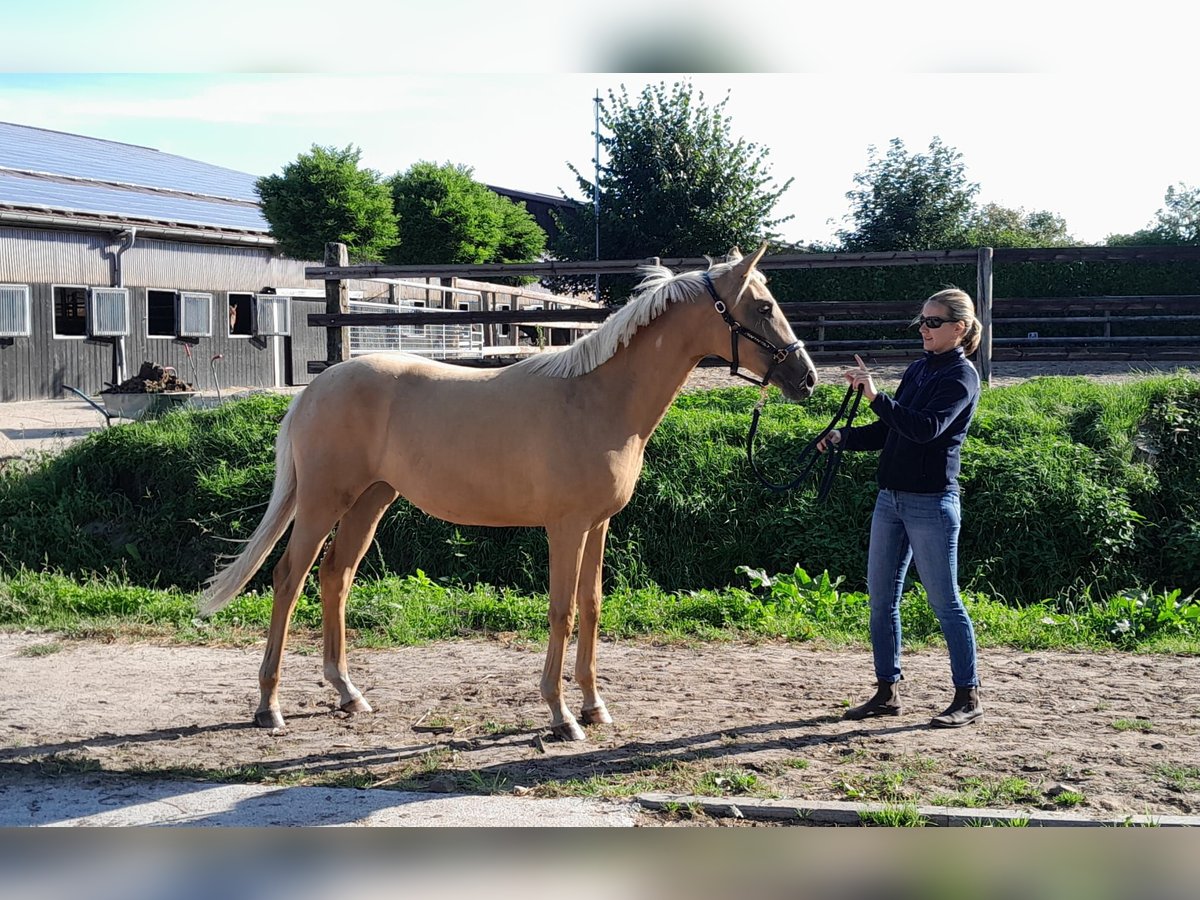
x=44, y=171
x=72, y=179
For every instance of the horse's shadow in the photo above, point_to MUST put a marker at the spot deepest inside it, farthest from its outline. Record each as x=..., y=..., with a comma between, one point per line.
x=712, y=746
x=555, y=765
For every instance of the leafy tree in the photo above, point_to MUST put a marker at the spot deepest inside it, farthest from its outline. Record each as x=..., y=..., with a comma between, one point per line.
x=324, y=196
x=676, y=183
x=910, y=201
x=998, y=226
x=1178, y=222
x=522, y=239
x=445, y=216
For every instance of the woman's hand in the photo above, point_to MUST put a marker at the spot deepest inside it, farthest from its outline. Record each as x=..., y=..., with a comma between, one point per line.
x=830, y=440
x=860, y=377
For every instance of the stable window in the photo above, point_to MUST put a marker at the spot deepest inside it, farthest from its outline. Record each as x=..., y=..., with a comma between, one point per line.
x=176, y=314
x=160, y=313
x=241, y=307
x=108, y=312
x=194, y=318
x=14, y=311
x=272, y=315
x=70, y=310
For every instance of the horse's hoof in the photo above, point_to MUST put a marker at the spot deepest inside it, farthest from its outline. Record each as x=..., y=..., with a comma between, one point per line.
x=595, y=715
x=568, y=731
x=268, y=718
x=357, y=705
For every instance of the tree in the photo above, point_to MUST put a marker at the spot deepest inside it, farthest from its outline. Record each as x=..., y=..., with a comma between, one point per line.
x=676, y=183
x=910, y=201
x=998, y=226
x=445, y=216
x=324, y=196
x=1178, y=222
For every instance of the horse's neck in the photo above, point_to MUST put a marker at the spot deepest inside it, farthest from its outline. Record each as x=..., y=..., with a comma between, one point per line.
x=644, y=377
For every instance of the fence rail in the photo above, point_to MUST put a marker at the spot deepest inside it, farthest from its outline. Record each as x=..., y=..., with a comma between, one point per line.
x=821, y=316
x=816, y=318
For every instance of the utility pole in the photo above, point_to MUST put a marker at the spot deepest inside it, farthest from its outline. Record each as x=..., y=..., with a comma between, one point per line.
x=596, y=190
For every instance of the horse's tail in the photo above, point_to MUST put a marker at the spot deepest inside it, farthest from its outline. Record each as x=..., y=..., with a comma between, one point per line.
x=281, y=509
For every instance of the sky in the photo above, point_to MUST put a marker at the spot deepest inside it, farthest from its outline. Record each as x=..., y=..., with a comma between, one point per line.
x=1087, y=118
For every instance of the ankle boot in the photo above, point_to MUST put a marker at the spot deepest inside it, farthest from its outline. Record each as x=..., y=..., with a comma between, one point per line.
x=965, y=709
x=886, y=702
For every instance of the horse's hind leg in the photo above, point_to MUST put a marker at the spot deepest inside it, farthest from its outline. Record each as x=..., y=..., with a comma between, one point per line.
x=594, y=711
x=566, y=554
x=341, y=561
x=308, y=534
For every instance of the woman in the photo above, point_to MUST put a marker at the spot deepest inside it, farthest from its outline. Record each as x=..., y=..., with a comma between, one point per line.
x=917, y=514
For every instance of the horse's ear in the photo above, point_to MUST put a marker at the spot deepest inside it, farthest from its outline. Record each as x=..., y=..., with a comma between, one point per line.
x=747, y=263
x=733, y=255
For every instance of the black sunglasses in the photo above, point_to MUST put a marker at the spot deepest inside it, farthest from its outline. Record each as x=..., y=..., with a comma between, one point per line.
x=931, y=321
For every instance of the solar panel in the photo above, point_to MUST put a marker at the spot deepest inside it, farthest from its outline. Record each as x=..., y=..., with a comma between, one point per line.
x=55, y=196
x=39, y=150
x=126, y=167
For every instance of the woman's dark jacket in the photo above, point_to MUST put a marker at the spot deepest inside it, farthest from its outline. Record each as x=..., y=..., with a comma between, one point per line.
x=921, y=430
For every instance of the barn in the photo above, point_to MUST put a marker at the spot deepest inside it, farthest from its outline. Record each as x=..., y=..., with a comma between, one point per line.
x=112, y=255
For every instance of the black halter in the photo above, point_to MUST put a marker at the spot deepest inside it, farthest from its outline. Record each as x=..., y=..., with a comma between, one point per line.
x=737, y=329
x=808, y=456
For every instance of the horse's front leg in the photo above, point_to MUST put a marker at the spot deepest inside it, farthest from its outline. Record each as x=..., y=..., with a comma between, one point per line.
x=566, y=555
x=590, y=593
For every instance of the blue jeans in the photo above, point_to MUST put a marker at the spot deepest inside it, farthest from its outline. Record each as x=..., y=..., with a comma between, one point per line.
x=921, y=528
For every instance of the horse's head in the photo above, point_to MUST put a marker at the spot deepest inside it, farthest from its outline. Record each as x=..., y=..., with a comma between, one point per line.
x=761, y=339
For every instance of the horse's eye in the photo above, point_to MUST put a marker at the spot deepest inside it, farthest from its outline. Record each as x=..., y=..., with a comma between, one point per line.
x=764, y=309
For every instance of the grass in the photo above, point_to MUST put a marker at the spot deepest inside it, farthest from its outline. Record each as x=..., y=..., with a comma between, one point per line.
x=404, y=611
x=1017, y=822
x=892, y=784
x=902, y=816
x=1145, y=726
x=984, y=793
x=1057, y=503
x=33, y=651
x=1181, y=778
x=1069, y=799
x=730, y=781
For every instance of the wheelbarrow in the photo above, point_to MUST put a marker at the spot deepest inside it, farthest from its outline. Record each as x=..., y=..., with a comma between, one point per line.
x=132, y=406
x=108, y=416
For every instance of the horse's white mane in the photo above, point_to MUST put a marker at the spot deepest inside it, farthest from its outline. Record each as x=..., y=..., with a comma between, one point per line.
x=658, y=288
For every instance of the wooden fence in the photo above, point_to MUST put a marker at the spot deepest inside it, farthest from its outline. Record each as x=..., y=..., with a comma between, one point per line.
x=836, y=329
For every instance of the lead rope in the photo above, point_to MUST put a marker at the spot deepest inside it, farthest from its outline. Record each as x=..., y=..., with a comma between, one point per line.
x=808, y=456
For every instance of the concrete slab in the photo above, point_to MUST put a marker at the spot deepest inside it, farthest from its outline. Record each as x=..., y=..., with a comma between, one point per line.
x=111, y=800
x=834, y=812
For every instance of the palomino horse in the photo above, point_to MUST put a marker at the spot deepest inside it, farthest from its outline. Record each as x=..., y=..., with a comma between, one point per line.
x=562, y=439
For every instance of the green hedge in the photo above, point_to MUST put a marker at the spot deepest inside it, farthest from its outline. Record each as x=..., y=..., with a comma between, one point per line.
x=1069, y=487
x=1040, y=279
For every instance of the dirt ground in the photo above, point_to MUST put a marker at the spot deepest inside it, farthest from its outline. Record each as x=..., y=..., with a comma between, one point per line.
x=1053, y=720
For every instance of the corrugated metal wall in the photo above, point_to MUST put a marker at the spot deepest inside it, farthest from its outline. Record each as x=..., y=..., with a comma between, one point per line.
x=36, y=367
x=55, y=257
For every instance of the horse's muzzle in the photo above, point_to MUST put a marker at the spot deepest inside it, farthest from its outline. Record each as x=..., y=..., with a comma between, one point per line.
x=796, y=379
